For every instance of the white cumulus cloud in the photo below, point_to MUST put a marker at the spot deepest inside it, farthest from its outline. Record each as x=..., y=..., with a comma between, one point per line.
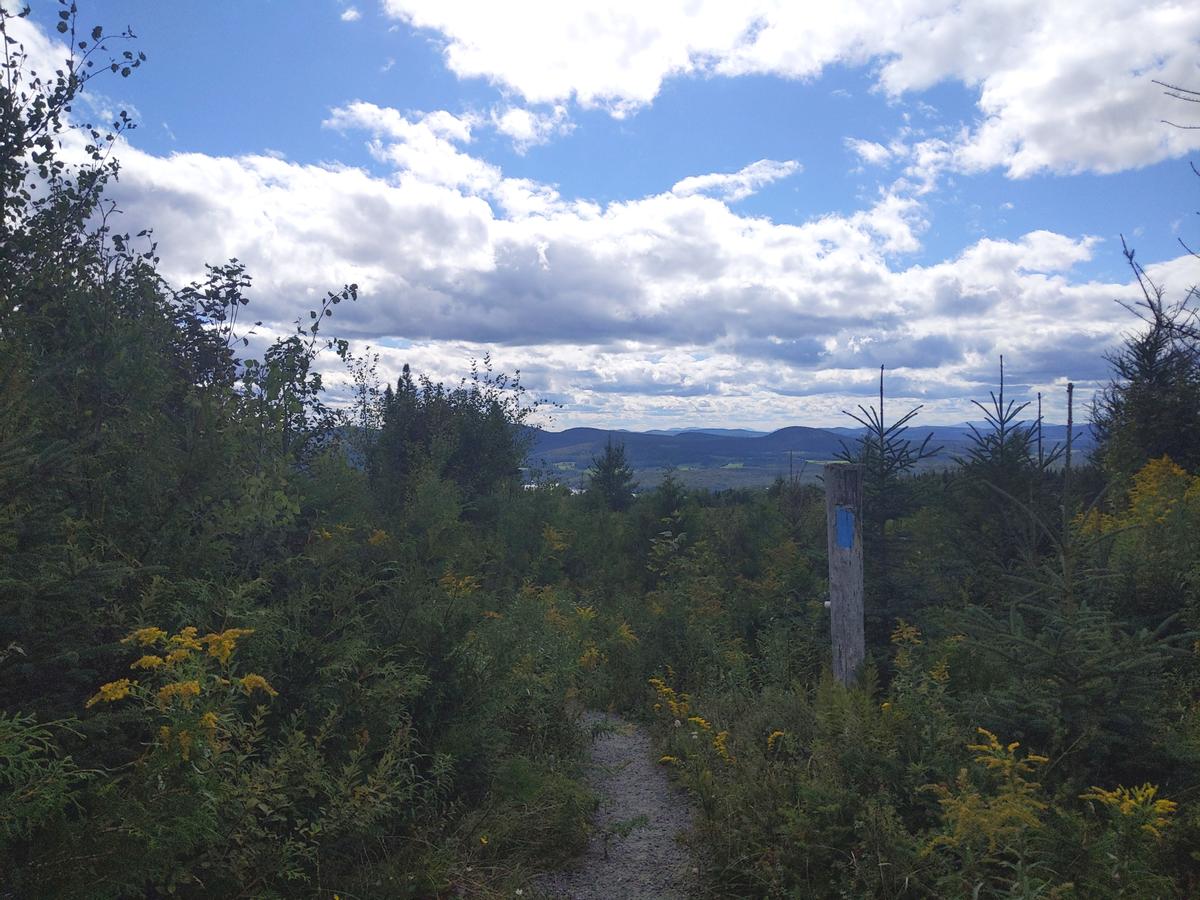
x=1064, y=86
x=528, y=127
x=737, y=185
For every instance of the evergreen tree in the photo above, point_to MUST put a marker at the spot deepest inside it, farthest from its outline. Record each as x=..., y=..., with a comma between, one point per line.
x=1151, y=407
x=610, y=478
x=474, y=435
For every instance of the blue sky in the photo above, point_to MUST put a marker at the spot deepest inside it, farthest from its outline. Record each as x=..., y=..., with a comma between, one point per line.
x=679, y=214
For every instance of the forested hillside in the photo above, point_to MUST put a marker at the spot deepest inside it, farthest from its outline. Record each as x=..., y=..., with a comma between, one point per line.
x=252, y=645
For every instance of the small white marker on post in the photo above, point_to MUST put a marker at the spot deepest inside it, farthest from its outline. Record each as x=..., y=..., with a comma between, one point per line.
x=843, y=517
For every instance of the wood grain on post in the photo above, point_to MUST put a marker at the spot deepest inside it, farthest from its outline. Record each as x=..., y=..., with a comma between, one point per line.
x=843, y=517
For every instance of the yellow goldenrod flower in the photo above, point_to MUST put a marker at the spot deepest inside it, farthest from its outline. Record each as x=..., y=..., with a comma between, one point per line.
x=147, y=662
x=591, y=657
x=1139, y=804
x=772, y=738
x=905, y=633
x=586, y=613
x=185, y=639
x=700, y=722
x=555, y=540
x=459, y=588
x=940, y=673
x=187, y=691
x=1094, y=522
x=668, y=760
x=1003, y=758
x=721, y=745
x=111, y=692
x=253, y=682
x=483, y=839
x=145, y=636
x=378, y=536
x=625, y=633
x=492, y=614
x=221, y=645
x=208, y=721
x=677, y=703
x=176, y=656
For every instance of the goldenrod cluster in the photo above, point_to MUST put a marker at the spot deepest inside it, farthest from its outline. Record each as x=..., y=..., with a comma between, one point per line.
x=114, y=690
x=721, y=745
x=186, y=691
x=591, y=656
x=556, y=541
x=251, y=683
x=1140, y=804
x=179, y=691
x=221, y=645
x=972, y=817
x=179, y=737
x=904, y=633
x=459, y=587
x=678, y=704
x=145, y=637
x=626, y=635
x=1094, y=522
x=1002, y=758
x=1157, y=490
x=185, y=641
x=940, y=672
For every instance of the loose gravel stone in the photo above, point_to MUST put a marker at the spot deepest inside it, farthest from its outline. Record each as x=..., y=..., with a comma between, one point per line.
x=634, y=851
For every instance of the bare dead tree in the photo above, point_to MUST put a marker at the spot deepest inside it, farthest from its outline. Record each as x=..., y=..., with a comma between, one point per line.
x=1180, y=93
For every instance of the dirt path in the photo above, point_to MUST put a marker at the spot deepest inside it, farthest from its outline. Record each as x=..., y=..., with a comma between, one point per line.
x=634, y=851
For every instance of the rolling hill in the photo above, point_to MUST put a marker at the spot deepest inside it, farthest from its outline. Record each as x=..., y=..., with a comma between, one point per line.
x=719, y=458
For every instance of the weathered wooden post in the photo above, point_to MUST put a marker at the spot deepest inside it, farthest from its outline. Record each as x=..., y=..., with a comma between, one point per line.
x=843, y=517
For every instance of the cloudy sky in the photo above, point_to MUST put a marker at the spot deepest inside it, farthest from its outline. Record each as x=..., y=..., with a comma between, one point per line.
x=681, y=212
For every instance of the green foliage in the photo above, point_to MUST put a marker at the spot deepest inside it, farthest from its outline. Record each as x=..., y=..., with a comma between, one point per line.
x=37, y=783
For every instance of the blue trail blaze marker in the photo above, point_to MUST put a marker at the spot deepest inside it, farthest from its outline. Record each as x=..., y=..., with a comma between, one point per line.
x=845, y=527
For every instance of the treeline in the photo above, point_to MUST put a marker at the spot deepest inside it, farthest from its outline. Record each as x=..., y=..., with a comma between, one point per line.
x=251, y=645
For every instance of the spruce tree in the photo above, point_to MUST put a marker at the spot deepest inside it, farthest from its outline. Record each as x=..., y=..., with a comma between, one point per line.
x=610, y=478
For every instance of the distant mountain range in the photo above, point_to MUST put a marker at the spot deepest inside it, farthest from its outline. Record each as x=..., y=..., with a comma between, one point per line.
x=736, y=457
x=719, y=432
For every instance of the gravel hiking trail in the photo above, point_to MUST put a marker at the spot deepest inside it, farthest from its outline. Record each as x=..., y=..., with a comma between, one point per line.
x=634, y=851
